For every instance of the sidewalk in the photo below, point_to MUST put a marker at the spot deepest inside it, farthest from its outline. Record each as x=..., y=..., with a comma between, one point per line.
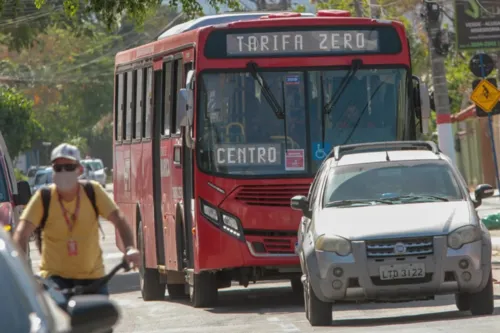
x=495, y=241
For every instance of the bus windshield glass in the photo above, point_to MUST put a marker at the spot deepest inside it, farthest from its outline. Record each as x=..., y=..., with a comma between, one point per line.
x=240, y=133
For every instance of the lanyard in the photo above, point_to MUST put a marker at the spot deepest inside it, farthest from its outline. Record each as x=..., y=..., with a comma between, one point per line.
x=71, y=223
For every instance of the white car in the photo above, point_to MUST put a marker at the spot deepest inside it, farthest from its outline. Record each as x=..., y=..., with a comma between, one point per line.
x=95, y=170
x=385, y=221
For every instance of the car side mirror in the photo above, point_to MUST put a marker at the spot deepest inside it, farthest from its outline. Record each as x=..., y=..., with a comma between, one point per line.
x=483, y=191
x=91, y=313
x=23, y=195
x=300, y=202
x=105, y=168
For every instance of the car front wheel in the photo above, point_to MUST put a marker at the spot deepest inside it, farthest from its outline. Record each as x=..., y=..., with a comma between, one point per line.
x=482, y=303
x=318, y=313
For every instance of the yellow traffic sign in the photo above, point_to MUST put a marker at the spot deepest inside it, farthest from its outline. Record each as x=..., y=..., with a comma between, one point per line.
x=485, y=95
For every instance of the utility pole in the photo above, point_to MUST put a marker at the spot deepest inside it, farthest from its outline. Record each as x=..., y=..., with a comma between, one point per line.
x=374, y=9
x=437, y=38
x=358, y=8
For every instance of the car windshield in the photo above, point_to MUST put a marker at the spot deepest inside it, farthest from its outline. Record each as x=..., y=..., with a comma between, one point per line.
x=43, y=178
x=16, y=306
x=404, y=182
x=4, y=194
x=239, y=131
x=94, y=165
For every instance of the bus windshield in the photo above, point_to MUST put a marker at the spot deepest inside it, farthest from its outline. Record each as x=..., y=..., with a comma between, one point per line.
x=240, y=133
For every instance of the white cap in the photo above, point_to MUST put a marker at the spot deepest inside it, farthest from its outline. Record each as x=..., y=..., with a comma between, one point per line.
x=65, y=150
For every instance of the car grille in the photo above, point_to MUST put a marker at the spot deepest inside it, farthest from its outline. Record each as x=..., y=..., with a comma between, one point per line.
x=270, y=195
x=387, y=248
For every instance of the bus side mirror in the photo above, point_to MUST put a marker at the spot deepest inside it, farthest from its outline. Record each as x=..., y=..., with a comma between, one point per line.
x=185, y=107
x=425, y=107
x=422, y=103
x=185, y=114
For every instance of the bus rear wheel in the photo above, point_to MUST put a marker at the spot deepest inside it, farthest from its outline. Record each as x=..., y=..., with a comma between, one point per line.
x=203, y=292
x=152, y=289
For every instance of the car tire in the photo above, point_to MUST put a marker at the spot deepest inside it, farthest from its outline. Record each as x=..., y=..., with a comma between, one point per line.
x=462, y=302
x=203, y=292
x=482, y=303
x=318, y=313
x=297, y=286
x=176, y=291
x=152, y=289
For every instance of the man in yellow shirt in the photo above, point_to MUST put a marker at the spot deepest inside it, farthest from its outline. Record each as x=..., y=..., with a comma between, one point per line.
x=70, y=251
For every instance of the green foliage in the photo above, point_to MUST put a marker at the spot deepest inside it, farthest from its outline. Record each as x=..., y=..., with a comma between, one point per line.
x=17, y=125
x=459, y=80
x=80, y=143
x=20, y=175
x=111, y=12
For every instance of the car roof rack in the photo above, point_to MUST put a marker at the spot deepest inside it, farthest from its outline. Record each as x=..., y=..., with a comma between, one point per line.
x=338, y=151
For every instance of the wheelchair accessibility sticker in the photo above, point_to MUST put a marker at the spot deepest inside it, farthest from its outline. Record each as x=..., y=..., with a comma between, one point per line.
x=319, y=153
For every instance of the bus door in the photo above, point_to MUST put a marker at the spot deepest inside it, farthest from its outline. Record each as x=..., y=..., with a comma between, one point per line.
x=159, y=152
x=172, y=168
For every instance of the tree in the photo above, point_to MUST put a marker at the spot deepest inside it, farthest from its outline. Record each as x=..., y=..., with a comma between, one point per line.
x=111, y=11
x=17, y=124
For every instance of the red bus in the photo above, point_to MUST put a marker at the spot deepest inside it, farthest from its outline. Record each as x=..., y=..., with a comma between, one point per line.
x=202, y=168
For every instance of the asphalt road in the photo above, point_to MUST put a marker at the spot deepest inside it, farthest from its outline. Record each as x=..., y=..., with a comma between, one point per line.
x=272, y=308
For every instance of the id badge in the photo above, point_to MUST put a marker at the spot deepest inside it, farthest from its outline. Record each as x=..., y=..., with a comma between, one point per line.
x=72, y=248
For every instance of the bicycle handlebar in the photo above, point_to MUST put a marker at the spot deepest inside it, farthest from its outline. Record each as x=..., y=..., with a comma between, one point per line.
x=96, y=285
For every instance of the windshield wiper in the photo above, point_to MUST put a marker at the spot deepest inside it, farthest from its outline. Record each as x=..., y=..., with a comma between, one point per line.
x=278, y=111
x=417, y=197
x=355, y=65
x=352, y=202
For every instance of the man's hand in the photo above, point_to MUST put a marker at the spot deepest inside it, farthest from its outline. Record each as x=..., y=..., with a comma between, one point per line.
x=133, y=257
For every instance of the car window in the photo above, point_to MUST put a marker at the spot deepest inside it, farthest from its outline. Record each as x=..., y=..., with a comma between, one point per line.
x=388, y=180
x=32, y=172
x=4, y=192
x=43, y=178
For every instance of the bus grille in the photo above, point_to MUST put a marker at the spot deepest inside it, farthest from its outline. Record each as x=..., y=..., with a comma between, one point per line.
x=412, y=247
x=270, y=195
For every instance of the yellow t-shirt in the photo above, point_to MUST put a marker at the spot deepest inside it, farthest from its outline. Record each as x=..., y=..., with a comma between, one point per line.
x=88, y=262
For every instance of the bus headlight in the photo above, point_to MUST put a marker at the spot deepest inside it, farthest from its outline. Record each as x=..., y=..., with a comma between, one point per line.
x=210, y=212
x=225, y=221
x=336, y=244
x=231, y=225
x=463, y=235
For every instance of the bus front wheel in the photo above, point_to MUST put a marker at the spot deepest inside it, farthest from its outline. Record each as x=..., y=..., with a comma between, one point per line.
x=203, y=292
x=152, y=289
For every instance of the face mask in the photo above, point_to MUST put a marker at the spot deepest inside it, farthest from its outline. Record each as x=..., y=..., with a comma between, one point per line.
x=66, y=180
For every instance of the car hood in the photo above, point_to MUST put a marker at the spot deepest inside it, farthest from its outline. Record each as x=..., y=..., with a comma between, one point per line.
x=392, y=221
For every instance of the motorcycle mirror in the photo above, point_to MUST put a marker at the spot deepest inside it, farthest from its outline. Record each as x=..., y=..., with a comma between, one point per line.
x=91, y=313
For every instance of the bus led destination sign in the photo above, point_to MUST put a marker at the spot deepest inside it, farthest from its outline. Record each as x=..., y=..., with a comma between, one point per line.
x=306, y=42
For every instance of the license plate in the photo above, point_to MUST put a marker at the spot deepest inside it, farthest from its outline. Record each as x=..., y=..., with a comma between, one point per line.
x=402, y=271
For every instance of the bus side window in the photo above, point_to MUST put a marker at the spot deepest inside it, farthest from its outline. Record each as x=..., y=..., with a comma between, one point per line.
x=119, y=108
x=168, y=84
x=148, y=100
x=179, y=83
x=129, y=105
x=139, y=106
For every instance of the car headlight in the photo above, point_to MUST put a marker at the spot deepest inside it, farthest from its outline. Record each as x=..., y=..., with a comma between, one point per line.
x=336, y=244
x=228, y=223
x=463, y=235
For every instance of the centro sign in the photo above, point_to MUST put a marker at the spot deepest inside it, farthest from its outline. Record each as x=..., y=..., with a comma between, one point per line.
x=245, y=154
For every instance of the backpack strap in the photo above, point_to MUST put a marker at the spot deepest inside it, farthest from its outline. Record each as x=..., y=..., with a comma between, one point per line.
x=89, y=190
x=46, y=194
